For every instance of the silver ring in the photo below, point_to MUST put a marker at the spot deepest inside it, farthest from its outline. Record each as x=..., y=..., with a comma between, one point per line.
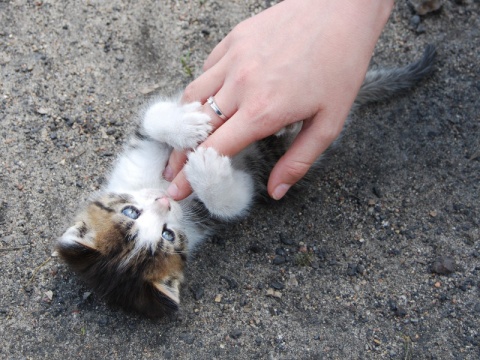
x=215, y=108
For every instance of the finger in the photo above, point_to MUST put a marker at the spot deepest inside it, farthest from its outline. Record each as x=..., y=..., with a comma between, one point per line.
x=222, y=102
x=310, y=142
x=179, y=188
x=217, y=53
x=228, y=140
x=175, y=164
x=238, y=132
x=206, y=85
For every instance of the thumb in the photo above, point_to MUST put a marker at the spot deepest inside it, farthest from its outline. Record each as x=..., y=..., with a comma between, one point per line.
x=179, y=188
x=314, y=138
x=175, y=164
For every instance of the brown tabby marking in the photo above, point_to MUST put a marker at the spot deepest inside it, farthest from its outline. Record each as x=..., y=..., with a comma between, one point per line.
x=146, y=283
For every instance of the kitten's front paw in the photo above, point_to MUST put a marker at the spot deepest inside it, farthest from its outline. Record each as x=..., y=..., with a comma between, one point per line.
x=194, y=125
x=180, y=126
x=207, y=170
x=225, y=191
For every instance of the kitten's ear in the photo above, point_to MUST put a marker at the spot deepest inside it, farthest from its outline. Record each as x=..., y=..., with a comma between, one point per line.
x=160, y=298
x=168, y=292
x=77, y=234
x=76, y=247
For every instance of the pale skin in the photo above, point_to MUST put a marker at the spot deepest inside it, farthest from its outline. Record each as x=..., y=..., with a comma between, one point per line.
x=298, y=60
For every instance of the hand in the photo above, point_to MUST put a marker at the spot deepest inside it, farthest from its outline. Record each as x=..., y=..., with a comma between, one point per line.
x=298, y=60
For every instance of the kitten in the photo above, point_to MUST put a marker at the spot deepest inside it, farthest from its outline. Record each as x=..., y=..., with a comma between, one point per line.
x=131, y=241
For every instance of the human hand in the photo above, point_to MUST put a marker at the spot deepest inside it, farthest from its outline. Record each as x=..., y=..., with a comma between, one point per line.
x=298, y=60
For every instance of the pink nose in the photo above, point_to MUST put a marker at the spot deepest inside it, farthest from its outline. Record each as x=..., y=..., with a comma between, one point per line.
x=164, y=202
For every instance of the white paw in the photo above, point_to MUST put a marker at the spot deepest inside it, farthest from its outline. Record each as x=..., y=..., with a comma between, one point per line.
x=206, y=169
x=195, y=125
x=226, y=192
x=180, y=126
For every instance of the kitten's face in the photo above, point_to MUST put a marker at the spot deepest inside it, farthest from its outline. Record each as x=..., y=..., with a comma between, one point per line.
x=130, y=249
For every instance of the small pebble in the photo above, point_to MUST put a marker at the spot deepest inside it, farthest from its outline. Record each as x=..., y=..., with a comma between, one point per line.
x=292, y=281
x=102, y=321
x=444, y=265
x=421, y=29
x=415, y=21
x=231, y=283
x=376, y=190
x=187, y=338
x=279, y=260
x=477, y=308
x=352, y=270
x=423, y=7
x=255, y=248
x=400, y=312
x=285, y=240
x=361, y=269
x=235, y=334
x=277, y=285
x=274, y=293
x=197, y=292
x=49, y=295
x=42, y=111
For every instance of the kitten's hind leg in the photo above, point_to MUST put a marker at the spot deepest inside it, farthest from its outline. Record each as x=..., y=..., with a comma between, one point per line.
x=225, y=191
x=182, y=126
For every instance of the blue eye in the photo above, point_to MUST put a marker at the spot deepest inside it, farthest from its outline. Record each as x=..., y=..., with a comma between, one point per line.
x=131, y=212
x=168, y=235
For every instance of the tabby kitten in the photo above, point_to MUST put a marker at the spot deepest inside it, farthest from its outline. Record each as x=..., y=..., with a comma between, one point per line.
x=131, y=241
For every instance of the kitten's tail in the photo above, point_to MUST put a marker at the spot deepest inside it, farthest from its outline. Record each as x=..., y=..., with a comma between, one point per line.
x=381, y=84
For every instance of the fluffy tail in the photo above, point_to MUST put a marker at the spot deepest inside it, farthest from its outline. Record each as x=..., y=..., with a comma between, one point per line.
x=381, y=84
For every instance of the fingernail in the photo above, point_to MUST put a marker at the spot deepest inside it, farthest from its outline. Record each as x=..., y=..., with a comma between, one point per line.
x=280, y=191
x=168, y=173
x=172, y=191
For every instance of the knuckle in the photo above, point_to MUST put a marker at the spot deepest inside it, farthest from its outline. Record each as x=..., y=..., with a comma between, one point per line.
x=205, y=66
x=261, y=115
x=296, y=169
x=238, y=31
x=247, y=72
x=190, y=93
x=242, y=76
x=257, y=109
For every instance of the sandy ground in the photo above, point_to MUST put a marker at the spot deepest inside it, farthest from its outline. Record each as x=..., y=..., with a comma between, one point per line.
x=379, y=258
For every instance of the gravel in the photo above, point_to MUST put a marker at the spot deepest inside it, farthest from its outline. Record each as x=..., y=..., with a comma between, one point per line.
x=377, y=258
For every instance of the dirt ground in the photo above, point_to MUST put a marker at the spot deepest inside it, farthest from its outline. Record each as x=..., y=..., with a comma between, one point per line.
x=378, y=258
